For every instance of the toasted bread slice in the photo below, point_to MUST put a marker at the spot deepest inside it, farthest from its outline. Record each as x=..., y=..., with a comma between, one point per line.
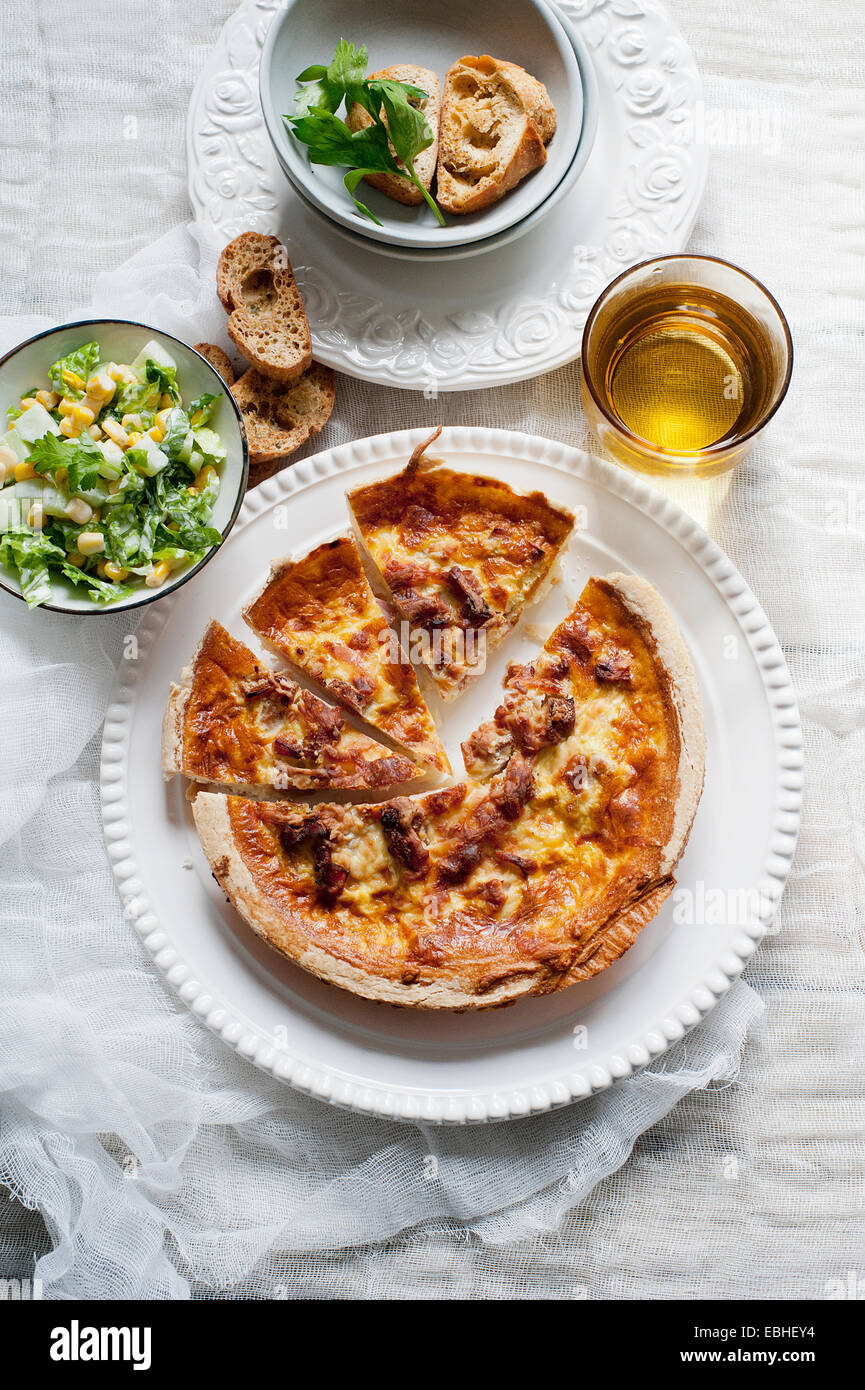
x=396, y=186
x=534, y=97
x=496, y=120
x=280, y=417
x=218, y=360
x=267, y=321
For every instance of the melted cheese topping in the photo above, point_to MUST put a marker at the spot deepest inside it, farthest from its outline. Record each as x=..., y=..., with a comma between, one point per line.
x=272, y=740
x=322, y=615
x=507, y=887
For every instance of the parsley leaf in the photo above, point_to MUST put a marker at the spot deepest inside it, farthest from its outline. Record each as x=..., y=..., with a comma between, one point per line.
x=399, y=132
x=80, y=456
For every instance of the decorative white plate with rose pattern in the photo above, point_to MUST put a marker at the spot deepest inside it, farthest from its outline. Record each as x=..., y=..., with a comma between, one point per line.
x=516, y=311
x=540, y=1053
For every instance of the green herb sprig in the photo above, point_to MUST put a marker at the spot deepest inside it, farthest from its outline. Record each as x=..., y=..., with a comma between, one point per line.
x=399, y=132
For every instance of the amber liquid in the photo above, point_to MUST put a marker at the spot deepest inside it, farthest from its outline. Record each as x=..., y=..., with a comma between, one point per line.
x=685, y=368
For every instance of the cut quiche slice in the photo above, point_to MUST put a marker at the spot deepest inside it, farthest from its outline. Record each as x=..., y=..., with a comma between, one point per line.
x=322, y=616
x=461, y=557
x=538, y=871
x=235, y=722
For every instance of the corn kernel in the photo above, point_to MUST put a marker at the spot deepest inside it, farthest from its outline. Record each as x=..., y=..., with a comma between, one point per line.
x=73, y=558
x=95, y=432
x=82, y=416
x=115, y=572
x=27, y=401
x=116, y=433
x=204, y=477
x=165, y=401
x=131, y=422
x=66, y=406
x=61, y=476
x=4, y=473
x=36, y=516
x=119, y=373
x=162, y=419
x=8, y=457
x=72, y=379
x=115, y=485
x=91, y=542
x=156, y=434
x=69, y=428
x=24, y=472
x=79, y=511
x=47, y=398
x=157, y=574
x=133, y=439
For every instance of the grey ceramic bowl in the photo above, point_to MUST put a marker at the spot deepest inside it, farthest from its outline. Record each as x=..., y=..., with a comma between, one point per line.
x=433, y=33
x=120, y=340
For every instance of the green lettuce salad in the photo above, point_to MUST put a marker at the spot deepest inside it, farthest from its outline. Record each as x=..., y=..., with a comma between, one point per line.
x=108, y=478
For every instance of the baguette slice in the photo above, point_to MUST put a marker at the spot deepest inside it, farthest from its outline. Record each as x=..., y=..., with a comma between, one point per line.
x=400, y=187
x=496, y=121
x=218, y=360
x=281, y=417
x=267, y=321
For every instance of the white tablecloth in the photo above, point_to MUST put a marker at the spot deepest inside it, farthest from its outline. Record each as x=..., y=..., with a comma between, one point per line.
x=747, y=1189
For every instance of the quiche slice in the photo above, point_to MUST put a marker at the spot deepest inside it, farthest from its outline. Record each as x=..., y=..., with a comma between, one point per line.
x=233, y=721
x=322, y=616
x=538, y=871
x=461, y=557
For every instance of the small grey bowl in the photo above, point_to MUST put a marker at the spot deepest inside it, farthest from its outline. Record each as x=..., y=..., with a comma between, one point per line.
x=120, y=340
x=434, y=34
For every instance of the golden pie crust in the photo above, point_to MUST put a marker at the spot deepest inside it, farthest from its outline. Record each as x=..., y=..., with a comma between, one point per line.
x=537, y=871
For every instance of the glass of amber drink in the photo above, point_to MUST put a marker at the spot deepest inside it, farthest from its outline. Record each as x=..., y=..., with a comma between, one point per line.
x=685, y=360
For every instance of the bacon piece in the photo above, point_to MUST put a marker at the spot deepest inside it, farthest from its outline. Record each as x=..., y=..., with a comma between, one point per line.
x=355, y=696
x=493, y=891
x=456, y=866
x=401, y=821
x=288, y=748
x=519, y=861
x=515, y=787
x=469, y=587
x=300, y=827
x=424, y=608
x=535, y=726
x=272, y=683
x=614, y=670
x=329, y=876
x=574, y=635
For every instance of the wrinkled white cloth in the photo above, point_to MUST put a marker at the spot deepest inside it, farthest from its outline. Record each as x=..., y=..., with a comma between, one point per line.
x=161, y=1163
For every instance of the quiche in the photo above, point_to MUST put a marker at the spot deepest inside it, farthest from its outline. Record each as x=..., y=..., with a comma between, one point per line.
x=321, y=614
x=233, y=721
x=537, y=871
x=460, y=555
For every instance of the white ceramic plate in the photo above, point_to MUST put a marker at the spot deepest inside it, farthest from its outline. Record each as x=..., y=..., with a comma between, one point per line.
x=539, y=1053
x=517, y=311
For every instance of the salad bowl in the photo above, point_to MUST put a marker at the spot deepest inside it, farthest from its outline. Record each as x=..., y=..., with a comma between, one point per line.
x=169, y=530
